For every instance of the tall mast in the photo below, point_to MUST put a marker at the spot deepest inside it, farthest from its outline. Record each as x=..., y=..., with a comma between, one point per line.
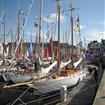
x=36, y=45
x=18, y=31
x=4, y=36
x=72, y=35
x=31, y=47
x=41, y=9
x=23, y=44
x=19, y=50
x=42, y=46
x=11, y=31
x=58, y=61
x=11, y=45
x=72, y=38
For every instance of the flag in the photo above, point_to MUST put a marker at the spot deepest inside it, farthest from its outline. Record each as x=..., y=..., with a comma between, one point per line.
x=50, y=48
x=36, y=25
x=78, y=24
x=29, y=50
x=19, y=52
x=27, y=54
x=49, y=34
x=30, y=6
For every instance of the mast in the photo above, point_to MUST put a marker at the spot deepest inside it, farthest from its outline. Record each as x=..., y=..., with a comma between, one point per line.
x=36, y=45
x=4, y=36
x=41, y=9
x=42, y=46
x=58, y=61
x=19, y=50
x=31, y=49
x=36, y=49
x=11, y=46
x=72, y=36
x=23, y=44
x=18, y=32
x=79, y=34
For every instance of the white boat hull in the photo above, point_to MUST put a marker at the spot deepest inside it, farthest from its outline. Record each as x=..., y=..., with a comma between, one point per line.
x=17, y=78
x=47, y=86
x=55, y=85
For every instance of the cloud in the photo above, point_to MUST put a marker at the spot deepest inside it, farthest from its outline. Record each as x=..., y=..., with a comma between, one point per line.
x=96, y=35
x=82, y=26
x=29, y=33
x=53, y=17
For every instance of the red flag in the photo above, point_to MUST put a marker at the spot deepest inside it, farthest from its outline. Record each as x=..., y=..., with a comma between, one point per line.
x=50, y=48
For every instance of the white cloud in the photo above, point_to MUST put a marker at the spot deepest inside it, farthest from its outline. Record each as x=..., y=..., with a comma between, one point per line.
x=96, y=35
x=53, y=17
x=82, y=26
x=29, y=33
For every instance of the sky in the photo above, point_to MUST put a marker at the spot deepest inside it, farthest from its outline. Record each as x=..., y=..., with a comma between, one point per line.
x=90, y=12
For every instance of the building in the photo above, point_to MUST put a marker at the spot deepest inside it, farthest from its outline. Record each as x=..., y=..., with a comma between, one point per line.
x=94, y=47
x=103, y=45
x=65, y=49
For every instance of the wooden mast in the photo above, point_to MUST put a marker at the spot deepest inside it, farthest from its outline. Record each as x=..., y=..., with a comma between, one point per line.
x=41, y=8
x=4, y=36
x=72, y=36
x=19, y=50
x=58, y=61
x=18, y=32
x=23, y=43
x=31, y=48
x=42, y=46
x=11, y=45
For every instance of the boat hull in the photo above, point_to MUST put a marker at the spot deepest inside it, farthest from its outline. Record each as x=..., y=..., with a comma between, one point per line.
x=48, y=86
x=17, y=78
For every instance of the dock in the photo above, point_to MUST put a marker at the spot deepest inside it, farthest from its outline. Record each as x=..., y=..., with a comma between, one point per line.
x=100, y=95
x=88, y=92
x=83, y=93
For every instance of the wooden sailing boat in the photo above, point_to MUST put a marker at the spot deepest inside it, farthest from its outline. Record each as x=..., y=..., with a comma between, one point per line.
x=4, y=37
x=15, y=76
x=19, y=76
x=55, y=80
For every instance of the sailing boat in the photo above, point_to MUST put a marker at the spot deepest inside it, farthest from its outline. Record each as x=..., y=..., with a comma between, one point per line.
x=55, y=80
x=20, y=75
x=15, y=75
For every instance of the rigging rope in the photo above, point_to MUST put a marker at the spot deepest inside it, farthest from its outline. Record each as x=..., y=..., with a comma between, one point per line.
x=6, y=35
x=1, y=16
x=29, y=10
x=54, y=95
